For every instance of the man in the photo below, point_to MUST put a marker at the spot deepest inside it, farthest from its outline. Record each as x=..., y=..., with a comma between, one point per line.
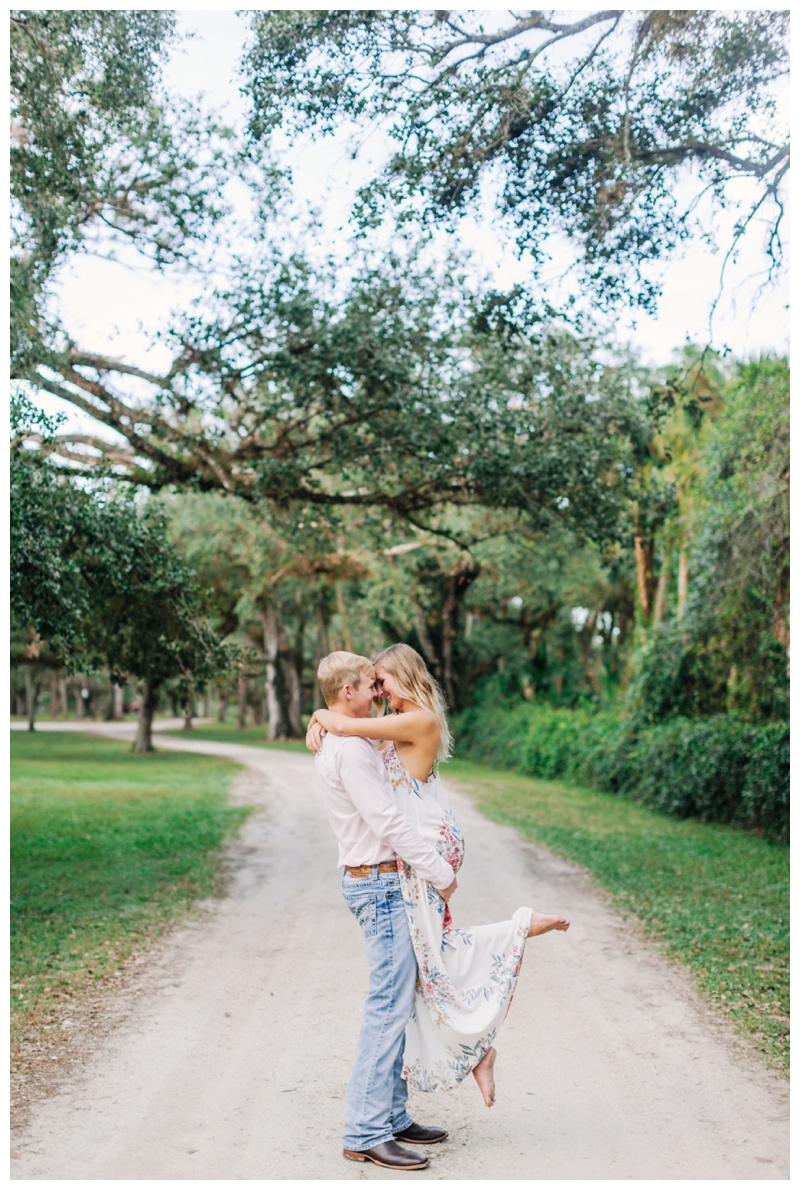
x=372, y=833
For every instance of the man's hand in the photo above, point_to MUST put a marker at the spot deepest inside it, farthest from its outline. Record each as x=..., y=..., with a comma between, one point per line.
x=447, y=893
x=315, y=735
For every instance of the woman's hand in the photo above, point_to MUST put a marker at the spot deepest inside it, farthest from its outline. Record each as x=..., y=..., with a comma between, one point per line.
x=329, y=720
x=315, y=735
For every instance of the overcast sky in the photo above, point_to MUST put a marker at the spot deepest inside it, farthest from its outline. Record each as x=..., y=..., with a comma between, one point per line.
x=103, y=303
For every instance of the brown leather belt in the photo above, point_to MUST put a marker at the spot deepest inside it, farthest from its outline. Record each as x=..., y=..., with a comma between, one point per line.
x=366, y=869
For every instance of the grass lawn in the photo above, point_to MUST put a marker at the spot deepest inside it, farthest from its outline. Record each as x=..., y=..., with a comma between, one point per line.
x=228, y=733
x=714, y=897
x=107, y=848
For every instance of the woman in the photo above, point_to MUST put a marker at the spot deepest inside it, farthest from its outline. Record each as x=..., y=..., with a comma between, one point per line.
x=466, y=977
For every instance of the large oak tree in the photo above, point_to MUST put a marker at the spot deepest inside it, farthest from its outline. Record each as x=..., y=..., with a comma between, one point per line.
x=375, y=395
x=588, y=125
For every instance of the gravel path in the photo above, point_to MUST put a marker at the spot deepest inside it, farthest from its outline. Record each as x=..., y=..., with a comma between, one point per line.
x=232, y=1056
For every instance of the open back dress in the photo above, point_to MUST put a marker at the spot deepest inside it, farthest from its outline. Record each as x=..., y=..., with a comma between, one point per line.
x=466, y=977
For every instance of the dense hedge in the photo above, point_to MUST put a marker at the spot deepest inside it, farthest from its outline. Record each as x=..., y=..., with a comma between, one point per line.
x=719, y=769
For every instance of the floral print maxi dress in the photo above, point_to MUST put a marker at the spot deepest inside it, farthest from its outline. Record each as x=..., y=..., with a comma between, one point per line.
x=466, y=977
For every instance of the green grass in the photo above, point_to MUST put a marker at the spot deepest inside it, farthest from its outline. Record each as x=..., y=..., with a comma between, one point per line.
x=107, y=848
x=228, y=733
x=715, y=897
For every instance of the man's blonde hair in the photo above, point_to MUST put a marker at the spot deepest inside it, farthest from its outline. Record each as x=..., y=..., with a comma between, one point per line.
x=416, y=683
x=342, y=669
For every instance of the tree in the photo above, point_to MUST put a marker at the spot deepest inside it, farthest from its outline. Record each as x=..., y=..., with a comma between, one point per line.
x=493, y=616
x=386, y=393
x=95, y=578
x=33, y=655
x=587, y=126
x=267, y=571
x=726, y=645
x=95, y=145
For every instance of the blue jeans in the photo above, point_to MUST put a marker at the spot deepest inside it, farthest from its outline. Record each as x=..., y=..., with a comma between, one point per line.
x=376, y=1098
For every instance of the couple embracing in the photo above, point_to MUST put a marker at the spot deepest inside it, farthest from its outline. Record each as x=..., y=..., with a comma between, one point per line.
x=437, y=993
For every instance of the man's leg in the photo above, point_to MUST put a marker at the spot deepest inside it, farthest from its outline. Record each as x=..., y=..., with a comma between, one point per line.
x=400, y=1119
x=375, y=1106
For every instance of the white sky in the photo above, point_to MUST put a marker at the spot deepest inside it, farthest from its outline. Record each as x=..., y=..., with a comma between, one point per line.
x=114, y=309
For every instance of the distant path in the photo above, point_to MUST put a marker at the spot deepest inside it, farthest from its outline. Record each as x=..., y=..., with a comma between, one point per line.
x=235, y=1055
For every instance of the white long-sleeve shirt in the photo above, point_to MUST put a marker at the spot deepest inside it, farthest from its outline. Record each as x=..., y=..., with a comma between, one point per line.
x=368, y=826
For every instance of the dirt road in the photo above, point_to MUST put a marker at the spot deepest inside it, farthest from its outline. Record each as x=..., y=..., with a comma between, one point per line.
x=233, y=1060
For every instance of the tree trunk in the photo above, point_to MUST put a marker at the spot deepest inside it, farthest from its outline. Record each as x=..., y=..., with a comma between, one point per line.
x=780, y=615
x=207, y=704
x=683, y=581
x=460, y=579
x=116, y=701
x=148, y=701
x=644, y=548
x=222, y=704
x=587, y=636
x=324, y=650
x=291, y=668
x=188, y=711
x=32, y=689
x=424, y=637
x=660, y=609
x=733, y=677
x=276, y=713
x=322, y=625
x=348, y=639
x=62, y=697
x=53, y=694
x=241, y=695
x=79, y=708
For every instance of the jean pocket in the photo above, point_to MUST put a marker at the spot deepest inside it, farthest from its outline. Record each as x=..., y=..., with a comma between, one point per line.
x=364, y=910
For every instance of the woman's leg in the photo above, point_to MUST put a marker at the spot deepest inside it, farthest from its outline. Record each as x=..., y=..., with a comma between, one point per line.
x=542, y=922
x=484, y=1075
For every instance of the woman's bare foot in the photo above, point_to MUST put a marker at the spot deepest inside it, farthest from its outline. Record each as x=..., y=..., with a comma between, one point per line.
x=541, y=923
x=484, y=1075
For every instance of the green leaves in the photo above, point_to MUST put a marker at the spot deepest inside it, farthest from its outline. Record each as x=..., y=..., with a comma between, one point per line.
x=729, y=649
x=383, y=392
x=589, y=126
x=96, y=579
x=94, y=145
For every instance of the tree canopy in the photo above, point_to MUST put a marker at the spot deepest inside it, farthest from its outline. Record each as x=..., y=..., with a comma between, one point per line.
x=380, y=394
x=588, y=126
x=723, y=644
x=96, y=145
x=97, y=580
x=382, y=446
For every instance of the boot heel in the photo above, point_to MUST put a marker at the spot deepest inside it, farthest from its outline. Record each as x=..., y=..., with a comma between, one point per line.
x=354, y=1156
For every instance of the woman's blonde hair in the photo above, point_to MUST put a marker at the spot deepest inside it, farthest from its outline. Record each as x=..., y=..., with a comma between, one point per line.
x=415, y=682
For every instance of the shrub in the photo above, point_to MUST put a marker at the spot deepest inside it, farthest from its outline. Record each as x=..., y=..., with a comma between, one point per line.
x=765, y=797
x=694, y=768
x=496, y=736
x=719, y=769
